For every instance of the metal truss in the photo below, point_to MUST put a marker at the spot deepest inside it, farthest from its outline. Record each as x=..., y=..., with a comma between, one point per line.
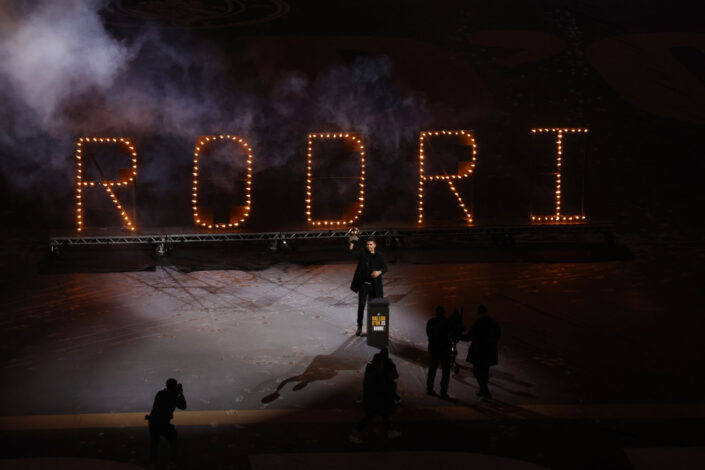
x=318, y=234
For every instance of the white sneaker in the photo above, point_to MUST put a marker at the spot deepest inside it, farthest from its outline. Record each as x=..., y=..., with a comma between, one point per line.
x=355, y=438
x=392, y=434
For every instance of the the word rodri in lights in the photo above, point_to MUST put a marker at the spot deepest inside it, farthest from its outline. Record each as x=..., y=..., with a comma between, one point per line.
x=558, y=217
x=465, y=172
x=238, y=220
x=356, y=141
x=107, y=185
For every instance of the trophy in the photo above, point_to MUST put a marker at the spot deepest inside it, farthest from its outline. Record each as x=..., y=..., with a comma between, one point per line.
x=353, y=235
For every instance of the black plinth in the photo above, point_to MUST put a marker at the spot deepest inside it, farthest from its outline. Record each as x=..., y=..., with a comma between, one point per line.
x=378, y=322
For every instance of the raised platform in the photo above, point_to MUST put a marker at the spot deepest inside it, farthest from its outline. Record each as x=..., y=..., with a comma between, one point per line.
x=174, y=236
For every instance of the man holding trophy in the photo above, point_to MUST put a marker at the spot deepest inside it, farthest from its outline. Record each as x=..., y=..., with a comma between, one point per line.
x=367, y=281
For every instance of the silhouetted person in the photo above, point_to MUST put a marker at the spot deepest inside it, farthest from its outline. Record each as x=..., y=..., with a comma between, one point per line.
x=165, y=402
x=484, y=335
x=379, y=392
x=440, y=348
x=367, y=281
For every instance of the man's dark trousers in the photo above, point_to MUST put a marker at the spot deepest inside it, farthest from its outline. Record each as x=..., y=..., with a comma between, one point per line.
x=444, y=358
x=362, y=295
x=169, y=432
x=482, y=374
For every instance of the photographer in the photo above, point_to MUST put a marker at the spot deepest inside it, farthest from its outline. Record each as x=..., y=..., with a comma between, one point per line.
x=165, y=402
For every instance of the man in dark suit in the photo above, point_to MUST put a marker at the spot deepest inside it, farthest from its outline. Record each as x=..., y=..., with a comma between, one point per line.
x=440, y=347
x=367, y=281
x=484, y=335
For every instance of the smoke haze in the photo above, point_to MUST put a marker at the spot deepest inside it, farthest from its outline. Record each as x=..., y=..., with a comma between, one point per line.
x=64, y=75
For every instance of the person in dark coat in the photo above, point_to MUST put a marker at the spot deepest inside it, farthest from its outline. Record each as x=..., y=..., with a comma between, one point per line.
x=440, y=348
x=379, y=394
x=484, y=335
x=367, y=281
x=165, y=402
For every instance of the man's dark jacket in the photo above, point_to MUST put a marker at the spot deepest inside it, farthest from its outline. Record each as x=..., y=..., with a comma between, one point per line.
x=366, y=263
x=484, y=334
x=164, y=405
x=439, y=334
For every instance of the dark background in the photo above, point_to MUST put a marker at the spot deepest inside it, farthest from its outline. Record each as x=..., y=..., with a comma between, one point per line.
x=273, y=71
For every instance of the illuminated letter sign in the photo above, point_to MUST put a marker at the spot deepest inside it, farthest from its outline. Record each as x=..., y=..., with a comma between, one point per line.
x=236, y=217
x=356, y=141
x=203, y=216
x=465, y=169
x=558, y=217
x=124, y=179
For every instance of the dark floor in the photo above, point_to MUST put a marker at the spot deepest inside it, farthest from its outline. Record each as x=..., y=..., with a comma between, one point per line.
x=598, y=359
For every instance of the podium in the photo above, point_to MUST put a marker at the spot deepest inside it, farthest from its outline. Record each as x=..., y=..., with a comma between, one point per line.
x=378, y=322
